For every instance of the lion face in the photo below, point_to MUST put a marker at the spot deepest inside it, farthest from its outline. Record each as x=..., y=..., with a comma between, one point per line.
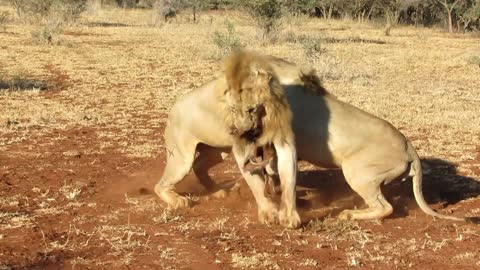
x=246, y=101
x=247, y=121
x=246, y=116
x=255, y=108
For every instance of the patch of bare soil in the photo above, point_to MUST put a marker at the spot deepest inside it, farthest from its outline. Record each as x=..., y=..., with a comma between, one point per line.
x=76, y=208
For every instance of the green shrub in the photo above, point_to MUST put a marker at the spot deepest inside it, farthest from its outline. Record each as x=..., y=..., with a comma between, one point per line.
x=267, y=14
x=227, y=41
x=49, y=33
x=312, y=47
x=290, y=37
x=67, y=11
x=127, y=3
x=4, y=19
x=474, y=60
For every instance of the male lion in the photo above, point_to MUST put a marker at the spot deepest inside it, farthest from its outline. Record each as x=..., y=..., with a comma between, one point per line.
x=328, y=133
x=256, y=109
x=244, y=108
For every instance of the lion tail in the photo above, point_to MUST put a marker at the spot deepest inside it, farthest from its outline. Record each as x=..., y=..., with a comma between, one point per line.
x=416, y=173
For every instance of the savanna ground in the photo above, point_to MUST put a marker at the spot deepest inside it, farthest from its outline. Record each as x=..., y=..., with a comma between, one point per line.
x=81, y=124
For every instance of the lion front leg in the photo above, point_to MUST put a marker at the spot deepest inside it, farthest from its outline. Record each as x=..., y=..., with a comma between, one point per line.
x=287, y=168
x=175, y=170
x=180, y=158
x=267, y=210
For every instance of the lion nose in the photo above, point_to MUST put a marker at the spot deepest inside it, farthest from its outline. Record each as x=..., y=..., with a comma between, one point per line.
x=245, y=126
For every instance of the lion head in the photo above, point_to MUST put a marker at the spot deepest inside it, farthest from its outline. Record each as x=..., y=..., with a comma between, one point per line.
x=255, y=104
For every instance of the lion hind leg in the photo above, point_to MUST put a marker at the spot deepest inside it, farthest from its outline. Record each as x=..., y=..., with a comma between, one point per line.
x=369, y=190
x=378, y=207
x=207, y=158
x=179, y=163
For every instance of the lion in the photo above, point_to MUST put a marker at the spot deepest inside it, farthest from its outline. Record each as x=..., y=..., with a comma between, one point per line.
x=328, y=133
x=247, y=106
x=257, y=111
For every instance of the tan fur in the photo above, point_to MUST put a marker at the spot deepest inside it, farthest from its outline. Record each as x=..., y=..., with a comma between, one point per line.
x=247, y=97
x=328, y=133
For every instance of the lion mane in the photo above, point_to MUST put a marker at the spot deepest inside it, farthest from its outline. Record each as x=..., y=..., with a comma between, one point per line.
x=251, y=83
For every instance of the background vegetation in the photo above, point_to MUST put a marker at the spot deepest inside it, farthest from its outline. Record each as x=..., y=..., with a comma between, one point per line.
x=454, y=15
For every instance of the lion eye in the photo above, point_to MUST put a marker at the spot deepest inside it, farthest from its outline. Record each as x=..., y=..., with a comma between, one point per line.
x=251, y=110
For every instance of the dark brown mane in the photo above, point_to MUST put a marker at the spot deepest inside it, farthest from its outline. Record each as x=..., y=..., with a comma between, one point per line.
x=312, y=83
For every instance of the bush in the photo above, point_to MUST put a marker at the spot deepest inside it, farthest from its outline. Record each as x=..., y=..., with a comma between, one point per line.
x=312, y=47
x=67, y=11
x=297, y=7
x=291, y=37
x=163, y=11
x=48, y=34
x=127, y=3
x=267, y=14
x=474, y=60
x=146, y=4
x=4, y=19
x=227, y=41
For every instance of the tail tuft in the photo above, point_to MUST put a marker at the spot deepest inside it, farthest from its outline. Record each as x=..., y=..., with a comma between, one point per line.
x=473, y=220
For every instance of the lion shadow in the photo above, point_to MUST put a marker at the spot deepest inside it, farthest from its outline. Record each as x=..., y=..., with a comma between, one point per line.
x=106, y=24
x=441, y=185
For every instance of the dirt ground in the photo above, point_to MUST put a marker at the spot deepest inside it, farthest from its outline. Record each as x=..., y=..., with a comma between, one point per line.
x=81, y=148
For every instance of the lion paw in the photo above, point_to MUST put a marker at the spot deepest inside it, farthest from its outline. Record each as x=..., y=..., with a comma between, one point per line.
x=180, y=202
x=289, y=219
x=268, y=215
x=173, y=199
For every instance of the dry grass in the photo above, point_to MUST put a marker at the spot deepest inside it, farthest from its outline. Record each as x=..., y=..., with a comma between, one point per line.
x=255, y=261
x=119, y=75
x=116, y=75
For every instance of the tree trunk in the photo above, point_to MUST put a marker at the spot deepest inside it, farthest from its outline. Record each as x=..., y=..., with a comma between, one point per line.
x=330, y=11
x=450, y=23
x=397, y=16
x=194, y=13
x=449, y=13
x=466, y=24
x=416, y=15
x=370, y=11
x=324, y=12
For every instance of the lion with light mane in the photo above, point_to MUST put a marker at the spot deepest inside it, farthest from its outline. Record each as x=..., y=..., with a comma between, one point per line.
x=244, y=108
x=260, y=100
x=257, y=110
